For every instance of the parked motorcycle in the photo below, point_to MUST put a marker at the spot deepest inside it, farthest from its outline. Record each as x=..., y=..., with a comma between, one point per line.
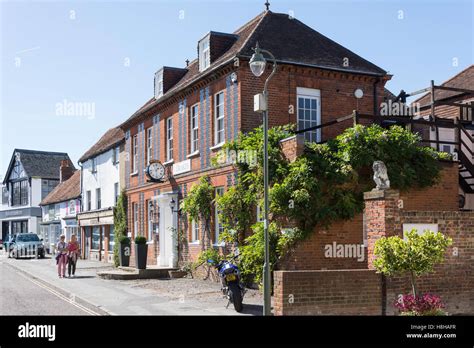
x=232, y=287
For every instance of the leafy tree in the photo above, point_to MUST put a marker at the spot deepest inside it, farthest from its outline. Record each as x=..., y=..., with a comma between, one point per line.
x=415, y=255
x=120, y=224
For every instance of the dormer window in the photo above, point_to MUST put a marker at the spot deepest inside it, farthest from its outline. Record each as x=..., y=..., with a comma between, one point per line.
x=204, y=53
x=158, y=84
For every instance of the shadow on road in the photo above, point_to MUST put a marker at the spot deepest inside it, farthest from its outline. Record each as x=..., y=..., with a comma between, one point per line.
x=252, y=309
x=80, y=277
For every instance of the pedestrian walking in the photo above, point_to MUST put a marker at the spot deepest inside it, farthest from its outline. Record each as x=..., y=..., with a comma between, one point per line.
x=61, y=257
x=73, y=251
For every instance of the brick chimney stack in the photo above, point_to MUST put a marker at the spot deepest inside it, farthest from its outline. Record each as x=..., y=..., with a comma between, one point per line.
x=65, y=171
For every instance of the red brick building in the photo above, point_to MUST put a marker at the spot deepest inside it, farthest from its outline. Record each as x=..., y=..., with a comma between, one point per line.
x=196, y=109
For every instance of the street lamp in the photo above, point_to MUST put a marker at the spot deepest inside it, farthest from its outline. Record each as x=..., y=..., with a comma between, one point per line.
x=257, y=65
x=173, y=205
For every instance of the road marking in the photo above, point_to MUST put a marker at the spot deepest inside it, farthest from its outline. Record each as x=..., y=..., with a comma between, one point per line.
x=59, y=295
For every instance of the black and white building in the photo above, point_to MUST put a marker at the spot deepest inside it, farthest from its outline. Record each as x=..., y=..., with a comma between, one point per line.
x=30, y=177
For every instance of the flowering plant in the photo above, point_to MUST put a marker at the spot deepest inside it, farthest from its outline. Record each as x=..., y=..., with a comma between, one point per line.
x=425, y=304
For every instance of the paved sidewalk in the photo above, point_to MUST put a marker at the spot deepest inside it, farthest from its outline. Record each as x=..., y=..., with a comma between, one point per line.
x=140, y=297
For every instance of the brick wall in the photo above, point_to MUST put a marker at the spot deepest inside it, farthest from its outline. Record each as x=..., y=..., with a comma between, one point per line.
x=309, y=254
x=442, y=196
x=359, y=291
x=292, y=147
x=453, y=280
x=335, y=292
x=337, y=95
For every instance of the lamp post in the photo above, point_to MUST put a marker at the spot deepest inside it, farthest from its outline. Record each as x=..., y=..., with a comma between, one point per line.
x=257, y=65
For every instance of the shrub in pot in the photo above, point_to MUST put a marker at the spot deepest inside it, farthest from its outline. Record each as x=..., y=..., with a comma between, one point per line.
x=124, y=251
x=141, y=251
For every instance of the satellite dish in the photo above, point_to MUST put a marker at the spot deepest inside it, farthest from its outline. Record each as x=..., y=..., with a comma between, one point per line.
x=358, y=93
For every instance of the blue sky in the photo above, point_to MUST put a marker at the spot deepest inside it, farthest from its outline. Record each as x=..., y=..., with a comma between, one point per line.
x=105, y=53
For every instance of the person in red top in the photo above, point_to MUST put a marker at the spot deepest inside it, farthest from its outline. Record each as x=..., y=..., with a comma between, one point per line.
x=73, y=250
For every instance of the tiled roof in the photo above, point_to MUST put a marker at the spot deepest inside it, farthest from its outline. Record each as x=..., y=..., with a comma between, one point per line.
x=290, y=41
x=69, y=189
x=464, y=79
x=111, y=138
x=43, y=164
x=388, y=95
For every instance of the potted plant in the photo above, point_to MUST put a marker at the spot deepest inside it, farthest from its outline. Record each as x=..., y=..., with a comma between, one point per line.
x=124, y=251
x=141, y=251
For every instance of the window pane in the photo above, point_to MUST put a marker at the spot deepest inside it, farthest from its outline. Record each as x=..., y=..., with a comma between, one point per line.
x=95, y=237
x=307, y=103
x=313, y=103
x=111, y=238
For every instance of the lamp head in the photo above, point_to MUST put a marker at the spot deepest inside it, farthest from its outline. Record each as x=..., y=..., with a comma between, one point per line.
x=257, y=62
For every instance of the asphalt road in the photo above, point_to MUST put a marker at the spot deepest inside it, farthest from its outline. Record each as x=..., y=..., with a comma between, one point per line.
x=21, y=295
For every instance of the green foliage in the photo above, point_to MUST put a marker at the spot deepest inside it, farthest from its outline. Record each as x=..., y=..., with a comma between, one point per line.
x=124, y=240
x=120, y=223
x=325, y=184
x=208, y=254
x=408, y=164
x=236, y=212
x=140, y=240
x=198, y=203
x=416, y=255
x=198, y=206
x=252, y=252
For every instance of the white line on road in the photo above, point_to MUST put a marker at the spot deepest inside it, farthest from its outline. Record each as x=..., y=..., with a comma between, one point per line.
x=57, y=294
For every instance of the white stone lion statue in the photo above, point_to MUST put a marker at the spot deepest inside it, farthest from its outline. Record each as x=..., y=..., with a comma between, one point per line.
x=380, y=176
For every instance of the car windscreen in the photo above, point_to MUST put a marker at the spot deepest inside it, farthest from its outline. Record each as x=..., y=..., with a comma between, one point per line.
x=30, y=237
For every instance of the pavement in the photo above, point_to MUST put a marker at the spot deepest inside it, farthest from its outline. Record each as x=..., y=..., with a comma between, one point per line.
x=127, y=297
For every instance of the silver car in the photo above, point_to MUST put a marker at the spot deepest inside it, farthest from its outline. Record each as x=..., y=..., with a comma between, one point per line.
x=26, y=245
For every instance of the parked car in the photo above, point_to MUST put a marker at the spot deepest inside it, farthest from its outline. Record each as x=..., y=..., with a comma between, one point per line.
x=26, y=244
x=1, y=244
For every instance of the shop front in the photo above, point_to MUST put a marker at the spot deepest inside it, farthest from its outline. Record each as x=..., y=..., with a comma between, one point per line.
x=50, y=232
x=23, y=220
x=97, y=235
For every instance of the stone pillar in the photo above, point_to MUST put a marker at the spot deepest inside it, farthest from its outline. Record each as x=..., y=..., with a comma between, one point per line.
x=382, y=218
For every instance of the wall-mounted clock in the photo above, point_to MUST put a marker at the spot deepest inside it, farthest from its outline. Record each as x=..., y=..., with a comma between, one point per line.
x=155, y=171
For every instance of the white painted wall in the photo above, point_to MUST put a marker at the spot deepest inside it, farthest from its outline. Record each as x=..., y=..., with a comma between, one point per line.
x=106, y=176
x=35, y=192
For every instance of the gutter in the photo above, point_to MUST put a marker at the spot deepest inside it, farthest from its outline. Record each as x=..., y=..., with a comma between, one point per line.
x=375, y=109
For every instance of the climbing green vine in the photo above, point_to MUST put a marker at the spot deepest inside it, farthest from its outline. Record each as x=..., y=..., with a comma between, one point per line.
x=120, y=224
x=324, y=184
x=198, y=205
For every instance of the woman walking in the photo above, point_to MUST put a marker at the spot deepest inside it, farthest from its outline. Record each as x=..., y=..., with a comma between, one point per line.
x=61, y=257
x=73, y=250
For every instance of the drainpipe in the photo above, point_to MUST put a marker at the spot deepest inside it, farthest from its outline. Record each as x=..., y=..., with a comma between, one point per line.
x=83, y=242
x=375, y=96
x=80, y=198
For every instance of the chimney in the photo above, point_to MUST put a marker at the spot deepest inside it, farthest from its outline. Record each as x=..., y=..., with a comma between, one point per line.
x=65, y=171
